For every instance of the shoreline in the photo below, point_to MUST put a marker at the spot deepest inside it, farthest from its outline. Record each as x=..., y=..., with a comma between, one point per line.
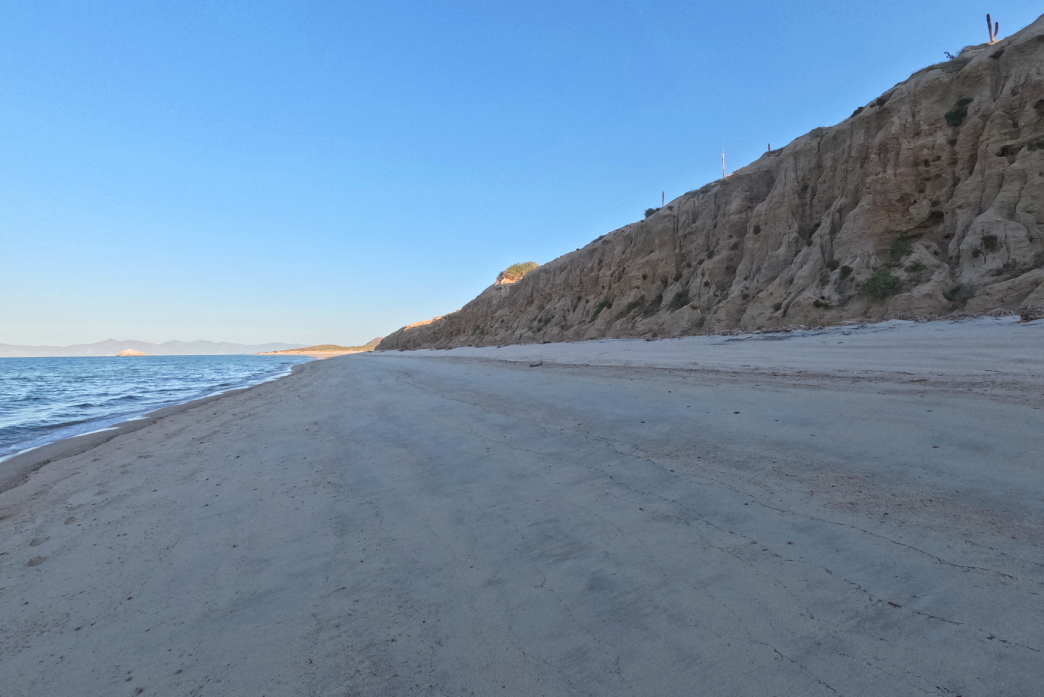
x=17, y=468
x=369, y=525
x=662, y=354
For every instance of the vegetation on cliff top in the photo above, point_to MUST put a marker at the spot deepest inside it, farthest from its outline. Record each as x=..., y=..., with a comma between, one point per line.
x=516, y=272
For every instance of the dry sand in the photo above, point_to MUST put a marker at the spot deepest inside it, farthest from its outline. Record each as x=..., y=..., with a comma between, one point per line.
x=319, y=355
x=692, y=517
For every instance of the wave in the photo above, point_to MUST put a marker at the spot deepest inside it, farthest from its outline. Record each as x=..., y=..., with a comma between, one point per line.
x=71, y=396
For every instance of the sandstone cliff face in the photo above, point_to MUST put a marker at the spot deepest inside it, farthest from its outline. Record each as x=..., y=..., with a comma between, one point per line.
x=938, y=183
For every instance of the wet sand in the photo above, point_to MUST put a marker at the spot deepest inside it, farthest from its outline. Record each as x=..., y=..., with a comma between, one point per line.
x=446, y=523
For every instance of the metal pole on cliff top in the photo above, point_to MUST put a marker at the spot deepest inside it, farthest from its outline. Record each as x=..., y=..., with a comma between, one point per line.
x=663, y=198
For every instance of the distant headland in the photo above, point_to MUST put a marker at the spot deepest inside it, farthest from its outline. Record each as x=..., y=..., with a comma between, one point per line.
x=324, y=350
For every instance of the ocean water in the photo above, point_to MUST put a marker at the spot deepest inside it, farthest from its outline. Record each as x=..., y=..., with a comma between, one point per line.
x=46, y=399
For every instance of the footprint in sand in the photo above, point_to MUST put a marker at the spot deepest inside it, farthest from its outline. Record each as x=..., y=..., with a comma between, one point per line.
x=36, y=561
x=37, y=541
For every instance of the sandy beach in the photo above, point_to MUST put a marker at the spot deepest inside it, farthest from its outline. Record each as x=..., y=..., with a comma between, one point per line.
x=856, y=511
x=318, y=355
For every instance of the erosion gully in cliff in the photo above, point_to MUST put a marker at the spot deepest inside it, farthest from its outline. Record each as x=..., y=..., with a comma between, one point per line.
x=927, y=201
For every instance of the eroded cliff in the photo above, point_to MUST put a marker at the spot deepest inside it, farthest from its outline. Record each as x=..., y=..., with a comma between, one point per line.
x=933, y=192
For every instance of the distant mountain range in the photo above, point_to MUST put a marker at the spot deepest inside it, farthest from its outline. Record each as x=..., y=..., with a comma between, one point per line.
x=111, y=347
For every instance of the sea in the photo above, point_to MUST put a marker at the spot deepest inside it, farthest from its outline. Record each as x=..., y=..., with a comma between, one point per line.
x=43, y=400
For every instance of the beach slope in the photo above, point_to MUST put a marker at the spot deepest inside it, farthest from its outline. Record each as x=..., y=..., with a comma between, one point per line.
x=606, y=522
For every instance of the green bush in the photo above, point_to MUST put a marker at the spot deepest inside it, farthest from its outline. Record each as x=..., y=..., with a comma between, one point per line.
x=680, y=299
x=604, y=305
x=516, y=272
x=960, y=295
x=901, y=247
x=631, y=307
x=846, y=271
x=915, y=266
x=990, y=243
x=653, y=306
x=650, y=211
x=881, y=284
x=777, y=306
x=960, y=112
x=833, y=264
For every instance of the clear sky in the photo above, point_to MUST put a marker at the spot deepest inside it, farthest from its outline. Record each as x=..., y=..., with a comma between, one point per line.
x=329, y=171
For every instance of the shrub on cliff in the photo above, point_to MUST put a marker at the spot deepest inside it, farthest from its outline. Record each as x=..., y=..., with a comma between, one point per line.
x=960, y=112
x=901, y=247
x=631, y=307
x=515, y=272
x=653, y=305
x=881, y=284
x=960, y=295
x=604, y=305
x=680, y=299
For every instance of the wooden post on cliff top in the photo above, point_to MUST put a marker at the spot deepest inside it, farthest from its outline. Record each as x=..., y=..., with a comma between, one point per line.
x=722, y=161
x=663, y=198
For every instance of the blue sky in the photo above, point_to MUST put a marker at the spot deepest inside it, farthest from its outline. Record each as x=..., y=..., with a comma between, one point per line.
x=329, y=171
